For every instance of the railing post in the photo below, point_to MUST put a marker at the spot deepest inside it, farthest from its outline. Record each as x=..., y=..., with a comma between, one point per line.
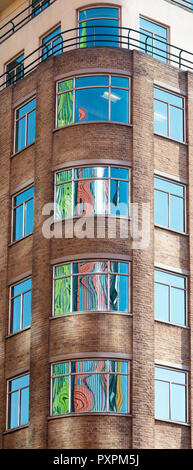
x=12, y=25
x=180, y=58
x=129, y=37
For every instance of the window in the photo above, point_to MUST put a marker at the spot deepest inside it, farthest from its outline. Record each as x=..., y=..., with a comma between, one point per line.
x=20, y=306
x=169, y=204
x=23, y=213
x=38, y=6
x=170, y=394
x=91, y=286
x=90, y=386
x=98, y=190
x=153, y=39
x=15, y=70
x=18, y=401
x=52, y=44
x=168, y=114
x=93, y=98
x=99, y=27
x=170, y=297
x=25, y=125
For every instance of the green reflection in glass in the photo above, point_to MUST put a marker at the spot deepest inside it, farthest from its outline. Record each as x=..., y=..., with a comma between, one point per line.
x=65, y=108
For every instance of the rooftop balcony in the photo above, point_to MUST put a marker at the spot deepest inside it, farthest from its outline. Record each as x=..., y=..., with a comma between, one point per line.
x=81, y=37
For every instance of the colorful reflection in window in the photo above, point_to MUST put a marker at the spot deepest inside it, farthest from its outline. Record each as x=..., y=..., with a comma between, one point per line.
x=99, y=27
x=91, y=286
x=93, y=98
x=38, y=6
x=90, y=386
x=92, y=190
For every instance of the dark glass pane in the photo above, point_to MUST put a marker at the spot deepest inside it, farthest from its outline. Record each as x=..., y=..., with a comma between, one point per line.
x=92, y=105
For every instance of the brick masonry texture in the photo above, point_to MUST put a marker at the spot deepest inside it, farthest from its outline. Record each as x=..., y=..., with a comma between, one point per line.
x=138, y=335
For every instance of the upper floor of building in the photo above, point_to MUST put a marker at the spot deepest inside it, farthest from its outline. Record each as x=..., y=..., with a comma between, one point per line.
x=32, y=30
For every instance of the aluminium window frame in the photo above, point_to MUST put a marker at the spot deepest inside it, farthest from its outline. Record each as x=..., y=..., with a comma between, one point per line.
x=71, y=275
x=24, y=213
x=108, y=179
x=19, y=401
x=6, y=77
x=26, y=123
x=99, y=5
x=108, y=87
x=185, y=277
x=186, y=385
x=178, y=183
x=21, y=306
x=34, y=7
x=162, y=25
x=107, y=372
x=171, y=92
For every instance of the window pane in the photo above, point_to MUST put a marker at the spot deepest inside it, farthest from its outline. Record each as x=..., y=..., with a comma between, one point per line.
x=161, y=214
x=60, y=369
x=171, y=279
x=50, y=36
x=21, y=197
x=161, y=302
x=90, y=292
x=170, y=375
x=20, y=134
x=122, y=82
x=90, y=267
x=26, y=309
x=178, y=403
x=24, y=410
x=91, y=172
x=91, y=105
x=89, y=393
x=118, y=393
x=119, y=191
x=15, y=314
x=92, y=80
x=89, y=366
x=65, y=109
x=60, y=395
x=178, y=306
x=29, y=217
x=63, y=270
x=119, y=173
x=177, y=213
x=160, y=117
x=99, y=12
x=31, y=123
x=64, y=200
x=99, y=32
x=26, y=108
x=63, y=176
x=62, y=296
x=117, y=366
x=119, y=268
x=91, y=197
x=160, y=48
x=66, y=85
x=13, y=407
x=18, y=223
x=168, y=186
x=119, y=105
x=162, y=400
x=21, y=287
x=118, y=293
x=176, y=123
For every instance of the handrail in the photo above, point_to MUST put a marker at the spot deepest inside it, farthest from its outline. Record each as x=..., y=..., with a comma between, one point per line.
x=186, y=4
x=30, y=13
x=129, y=39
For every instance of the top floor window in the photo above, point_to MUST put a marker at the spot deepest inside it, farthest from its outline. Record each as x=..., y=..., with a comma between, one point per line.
x=153, y=39
x=99, y=27
x=38, y=6
x=93, y=98
x=52, y=43
x=14, y=70
x=169, y=111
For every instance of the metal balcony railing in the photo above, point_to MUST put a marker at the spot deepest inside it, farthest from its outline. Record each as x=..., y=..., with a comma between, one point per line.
x=188, y=4
x=80, y=38
x=25, y=15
